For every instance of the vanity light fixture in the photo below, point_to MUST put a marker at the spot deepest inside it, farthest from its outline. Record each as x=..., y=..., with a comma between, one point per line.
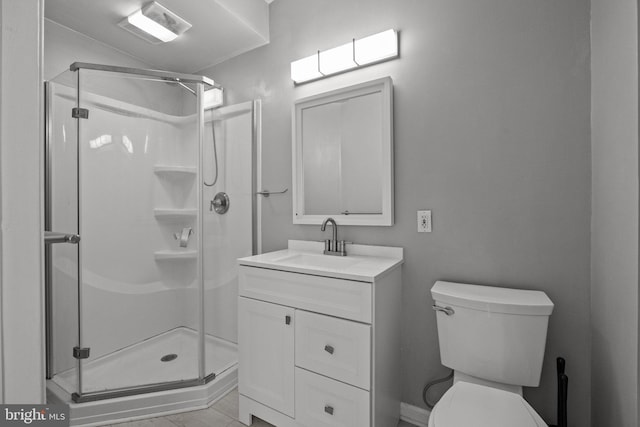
x=155, y=23
x=357, y=53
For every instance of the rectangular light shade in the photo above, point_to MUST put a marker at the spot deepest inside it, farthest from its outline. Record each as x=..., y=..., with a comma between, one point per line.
x=337, y=59
x=151, y=27
x=305, y=69
x=376, y=48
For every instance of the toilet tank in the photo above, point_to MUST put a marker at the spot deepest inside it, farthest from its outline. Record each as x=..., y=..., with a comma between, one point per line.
x=496, y=334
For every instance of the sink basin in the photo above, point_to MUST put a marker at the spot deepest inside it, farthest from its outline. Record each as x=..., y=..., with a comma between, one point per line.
x=318, y=261
x=363, y=263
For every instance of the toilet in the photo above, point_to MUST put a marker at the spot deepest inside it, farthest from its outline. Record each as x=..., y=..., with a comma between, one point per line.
x=494, y=339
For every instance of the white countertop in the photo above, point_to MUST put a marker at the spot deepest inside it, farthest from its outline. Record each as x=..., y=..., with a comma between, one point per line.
x=363, y=262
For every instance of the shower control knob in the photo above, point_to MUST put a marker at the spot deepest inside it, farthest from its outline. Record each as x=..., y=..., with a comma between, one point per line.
x=220, y=203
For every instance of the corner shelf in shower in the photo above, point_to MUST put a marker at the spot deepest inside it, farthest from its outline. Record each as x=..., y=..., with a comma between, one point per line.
x=174, y=214
x=170, y=255
x=175, y=172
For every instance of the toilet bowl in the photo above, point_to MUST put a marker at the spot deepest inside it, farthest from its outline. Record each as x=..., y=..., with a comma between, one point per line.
x=494, y=340
x=472, y=405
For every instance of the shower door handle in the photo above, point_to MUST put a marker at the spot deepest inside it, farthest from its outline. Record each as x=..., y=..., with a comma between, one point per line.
x=54, y=237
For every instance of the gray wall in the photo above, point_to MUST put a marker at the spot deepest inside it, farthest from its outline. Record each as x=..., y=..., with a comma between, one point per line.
x=614, y=240
x=491, y=132
x=21, y=261
x=63, y=46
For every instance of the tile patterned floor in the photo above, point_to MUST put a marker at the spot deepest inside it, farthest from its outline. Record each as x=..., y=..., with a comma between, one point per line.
x=223, y=413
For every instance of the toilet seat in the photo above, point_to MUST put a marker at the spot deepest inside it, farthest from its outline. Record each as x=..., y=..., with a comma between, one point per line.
x=473, y=405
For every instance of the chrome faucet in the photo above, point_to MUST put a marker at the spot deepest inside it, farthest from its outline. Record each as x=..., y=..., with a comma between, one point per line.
x=183, y=237
x=333, y=246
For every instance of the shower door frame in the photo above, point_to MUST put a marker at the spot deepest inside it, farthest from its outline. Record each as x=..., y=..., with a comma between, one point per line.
x=181, y=79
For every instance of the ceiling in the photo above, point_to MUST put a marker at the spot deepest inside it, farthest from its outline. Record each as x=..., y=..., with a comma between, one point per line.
x=221, y=29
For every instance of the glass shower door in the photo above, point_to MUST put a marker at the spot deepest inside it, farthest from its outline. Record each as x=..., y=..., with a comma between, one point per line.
x=61, y=218
x=139, y=196
x=229, y=152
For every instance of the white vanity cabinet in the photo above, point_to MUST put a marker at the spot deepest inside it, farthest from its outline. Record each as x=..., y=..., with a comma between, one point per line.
x=319, y=338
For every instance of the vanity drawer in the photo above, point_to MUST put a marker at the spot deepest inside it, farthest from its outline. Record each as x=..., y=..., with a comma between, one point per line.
x=334, y=347
x=337, y=297
x=321, y=402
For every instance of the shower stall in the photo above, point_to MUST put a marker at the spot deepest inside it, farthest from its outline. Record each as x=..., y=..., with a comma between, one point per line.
x=141, y=278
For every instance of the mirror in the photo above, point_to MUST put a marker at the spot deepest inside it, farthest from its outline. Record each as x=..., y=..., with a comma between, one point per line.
x=343, y=156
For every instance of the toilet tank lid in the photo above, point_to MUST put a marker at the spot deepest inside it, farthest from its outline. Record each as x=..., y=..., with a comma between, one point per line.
x=492, y=298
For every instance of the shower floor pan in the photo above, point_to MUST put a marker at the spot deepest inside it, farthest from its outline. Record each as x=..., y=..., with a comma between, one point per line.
x=141, y=364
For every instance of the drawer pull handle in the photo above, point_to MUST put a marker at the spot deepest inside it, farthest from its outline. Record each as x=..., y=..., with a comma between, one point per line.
x=287, y=320
x=329, y=349
x=328, y=409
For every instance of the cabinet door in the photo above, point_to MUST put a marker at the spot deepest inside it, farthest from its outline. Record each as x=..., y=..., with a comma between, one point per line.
x=265, y=348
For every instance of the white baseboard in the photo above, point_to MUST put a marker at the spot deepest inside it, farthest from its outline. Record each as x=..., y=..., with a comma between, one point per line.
x=414, y=415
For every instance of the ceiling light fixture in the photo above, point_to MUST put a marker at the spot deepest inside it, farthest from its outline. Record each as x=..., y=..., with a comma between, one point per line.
x=155, y=23
x=358, y=53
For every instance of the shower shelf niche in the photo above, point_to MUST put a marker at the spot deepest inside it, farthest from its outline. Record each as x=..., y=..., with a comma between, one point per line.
x=175, y=172
x=174, y=214
x=174, y=255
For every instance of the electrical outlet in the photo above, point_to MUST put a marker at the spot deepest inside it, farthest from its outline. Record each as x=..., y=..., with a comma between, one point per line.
x=424, y=221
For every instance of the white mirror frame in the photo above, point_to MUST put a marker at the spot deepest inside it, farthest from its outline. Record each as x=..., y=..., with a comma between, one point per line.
x=383, y=86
